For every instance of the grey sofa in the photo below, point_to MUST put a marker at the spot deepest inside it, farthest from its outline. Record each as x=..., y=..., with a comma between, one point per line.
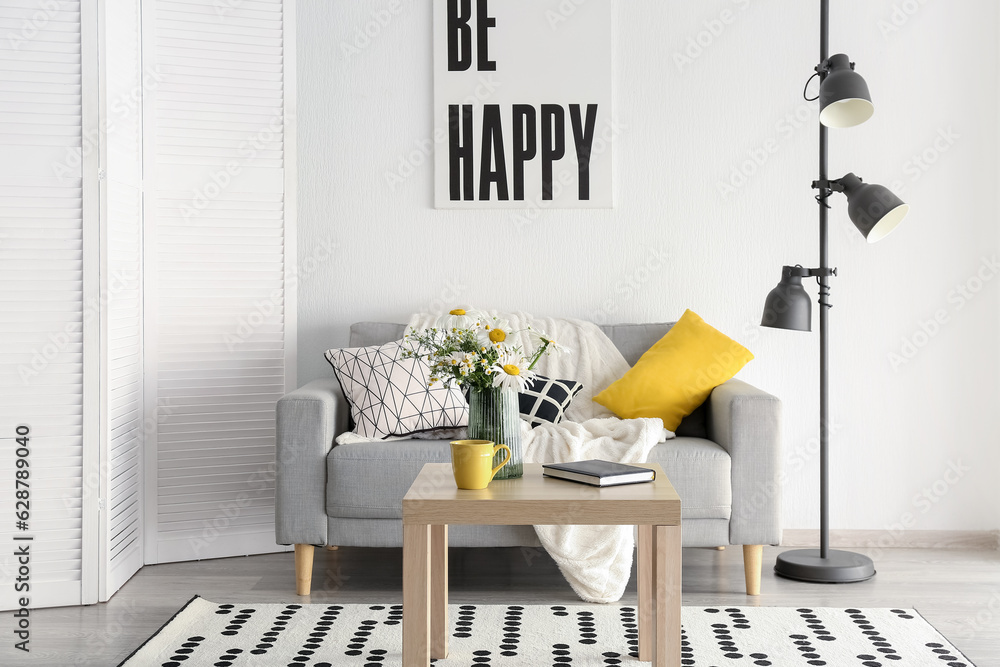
x=724, y=463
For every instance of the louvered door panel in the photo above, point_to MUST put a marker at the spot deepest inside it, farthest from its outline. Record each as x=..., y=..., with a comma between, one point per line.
x=122, y=359
x=42, y=293
x=217, y=212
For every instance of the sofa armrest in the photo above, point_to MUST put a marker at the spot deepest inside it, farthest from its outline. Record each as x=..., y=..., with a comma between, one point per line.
x=747, y=423
x=308, y=419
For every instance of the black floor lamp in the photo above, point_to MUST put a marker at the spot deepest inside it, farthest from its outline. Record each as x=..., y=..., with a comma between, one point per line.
x=844, y=102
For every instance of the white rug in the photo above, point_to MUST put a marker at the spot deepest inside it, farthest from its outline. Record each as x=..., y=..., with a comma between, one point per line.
x=226, y=635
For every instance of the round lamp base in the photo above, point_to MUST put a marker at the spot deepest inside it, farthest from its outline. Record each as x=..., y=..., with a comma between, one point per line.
x=839, y=567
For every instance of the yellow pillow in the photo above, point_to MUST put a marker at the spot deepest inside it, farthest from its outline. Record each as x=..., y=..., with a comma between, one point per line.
x=677, y=374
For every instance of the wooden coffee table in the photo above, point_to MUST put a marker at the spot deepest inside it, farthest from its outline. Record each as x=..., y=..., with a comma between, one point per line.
x=433, y=502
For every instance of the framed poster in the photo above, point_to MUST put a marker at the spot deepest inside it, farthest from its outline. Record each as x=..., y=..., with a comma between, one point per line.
x=522, y=104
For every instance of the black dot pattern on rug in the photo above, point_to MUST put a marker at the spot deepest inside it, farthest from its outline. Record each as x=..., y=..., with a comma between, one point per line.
x=466, y=617
x=512, y=630
x=375, y=658
x=687, y=650
x=552, y=635
x=263, y=644
x=588, y=629
x=237, y=619
x=627, y=615
x=361, y=636
x=612, y=658
x=184, y=651
x=808, y=651
x=941, y=653
x=319, y=633
x=725, y=639
x=883, y=648
x=816, y=626
x=395, y=615
x=740, y=621
x=561, y=655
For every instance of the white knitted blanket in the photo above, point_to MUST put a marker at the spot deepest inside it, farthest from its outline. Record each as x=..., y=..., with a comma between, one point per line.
x=596, y=560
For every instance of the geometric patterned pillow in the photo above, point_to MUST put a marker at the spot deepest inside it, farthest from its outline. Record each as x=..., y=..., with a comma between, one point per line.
x=389, y=395
x=545, y=400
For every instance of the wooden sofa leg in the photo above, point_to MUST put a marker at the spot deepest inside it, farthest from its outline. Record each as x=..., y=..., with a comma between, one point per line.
x=753, y=555
x=303, y=568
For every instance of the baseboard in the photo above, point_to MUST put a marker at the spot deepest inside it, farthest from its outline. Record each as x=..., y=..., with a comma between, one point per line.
x=904, y=539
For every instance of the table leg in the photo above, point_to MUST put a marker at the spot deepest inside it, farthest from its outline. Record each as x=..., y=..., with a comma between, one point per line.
x=416, y=595
x=439, y=591
x=667, y=570
x=647, y=620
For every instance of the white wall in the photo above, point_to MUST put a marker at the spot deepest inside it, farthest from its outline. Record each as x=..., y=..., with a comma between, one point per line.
x=365, y=107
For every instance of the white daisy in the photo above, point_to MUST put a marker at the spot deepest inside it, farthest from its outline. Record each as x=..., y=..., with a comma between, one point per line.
x=458, y=318
x=511, y=371
x=495, y=331
x=540, y=339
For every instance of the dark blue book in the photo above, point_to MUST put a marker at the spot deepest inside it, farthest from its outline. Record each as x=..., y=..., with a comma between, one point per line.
x=598, y=473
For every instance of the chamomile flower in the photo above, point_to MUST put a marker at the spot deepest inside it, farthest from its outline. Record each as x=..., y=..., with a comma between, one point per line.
x=511, y=371
x=458, y=318
x=494, y=332
x=540, y=339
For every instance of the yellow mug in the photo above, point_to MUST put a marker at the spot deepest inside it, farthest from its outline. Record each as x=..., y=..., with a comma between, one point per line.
x=472, y=462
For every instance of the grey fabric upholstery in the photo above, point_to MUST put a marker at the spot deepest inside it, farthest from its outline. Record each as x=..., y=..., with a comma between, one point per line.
x=389, y=533
x=308, y=419
x=369, y=480
x=746, y=422
x=351, y=494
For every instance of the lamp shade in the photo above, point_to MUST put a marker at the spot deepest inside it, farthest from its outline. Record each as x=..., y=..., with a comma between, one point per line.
x=844, y=100
x=874, y=209
x=788, y=305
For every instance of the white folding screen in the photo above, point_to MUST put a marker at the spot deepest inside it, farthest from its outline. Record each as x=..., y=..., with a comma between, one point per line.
x=48, y=300
x=122, y=428
x=217, y=128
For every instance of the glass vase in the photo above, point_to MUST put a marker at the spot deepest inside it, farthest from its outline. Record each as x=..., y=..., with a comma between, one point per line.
x=494, y=415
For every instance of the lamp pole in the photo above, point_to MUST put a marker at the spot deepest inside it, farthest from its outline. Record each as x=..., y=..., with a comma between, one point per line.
x=824, y=303
x=826, y=565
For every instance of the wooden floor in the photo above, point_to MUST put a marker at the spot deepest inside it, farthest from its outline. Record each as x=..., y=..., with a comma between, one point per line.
x=957, y=591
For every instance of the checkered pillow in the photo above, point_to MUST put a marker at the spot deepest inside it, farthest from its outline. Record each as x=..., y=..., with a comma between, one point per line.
x=545, y=400
x=389, y=395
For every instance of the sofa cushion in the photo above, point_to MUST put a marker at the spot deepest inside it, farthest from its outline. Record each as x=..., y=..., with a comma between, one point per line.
x=701, y=472
x=368, y=480
x=390, y=394
x=677, y=373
